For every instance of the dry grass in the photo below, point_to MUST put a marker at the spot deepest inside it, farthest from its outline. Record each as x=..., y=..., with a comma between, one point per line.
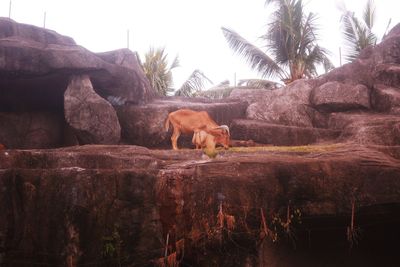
x=294, y=149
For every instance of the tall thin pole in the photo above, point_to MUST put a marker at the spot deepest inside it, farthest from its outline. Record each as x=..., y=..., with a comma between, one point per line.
x=340, y=55
x=9, y=10
x=44, y=20
x=127, y=38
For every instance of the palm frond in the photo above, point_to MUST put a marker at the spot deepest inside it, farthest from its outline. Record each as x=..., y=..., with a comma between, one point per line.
x=254, y=56
x=290, y=39
x=387, y=28
x=157, y=71
x=358, y=33
x=193, y=85
x=175, y=63
x=369, y=14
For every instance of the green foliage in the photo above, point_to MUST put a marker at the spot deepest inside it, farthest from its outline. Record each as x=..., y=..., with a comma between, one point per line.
x=159, y=74
x=112, y=245
x=358, y=32
x=193, y=85
x=157, y=70
x=291, y=44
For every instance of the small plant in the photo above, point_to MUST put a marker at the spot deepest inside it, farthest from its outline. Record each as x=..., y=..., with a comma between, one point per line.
x=112, y=245
x=279, y=227
x=353, y=233
x=211, y=153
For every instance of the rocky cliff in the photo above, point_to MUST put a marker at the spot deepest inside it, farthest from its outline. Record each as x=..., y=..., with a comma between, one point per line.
x=118, y=206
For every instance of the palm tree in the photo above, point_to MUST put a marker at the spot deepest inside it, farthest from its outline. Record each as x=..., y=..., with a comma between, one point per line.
x=193, y=85
x=358, y=33
x=292, y=52
x=158, y=72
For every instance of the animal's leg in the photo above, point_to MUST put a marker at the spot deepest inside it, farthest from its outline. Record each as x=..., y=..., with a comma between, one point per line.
x=174, y=139
x=196, y=140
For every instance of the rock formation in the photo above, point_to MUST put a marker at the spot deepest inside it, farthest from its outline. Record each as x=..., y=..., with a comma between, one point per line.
x=37, y=67
x=365, y=89
x=332, y=203
x=93, y=119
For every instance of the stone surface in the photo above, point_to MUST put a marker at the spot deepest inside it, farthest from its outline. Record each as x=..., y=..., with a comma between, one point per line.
x=70, y=204
x=31, y=130
x=364, y=128
x=386, y=99
x=9, y=28
x=92, y=118
x=337, y=97
x=280, y=135
x=251, y=95
x=45, y=57
x=288, y=106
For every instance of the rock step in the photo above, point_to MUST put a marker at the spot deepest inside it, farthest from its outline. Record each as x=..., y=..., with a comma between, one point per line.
x=275, y=134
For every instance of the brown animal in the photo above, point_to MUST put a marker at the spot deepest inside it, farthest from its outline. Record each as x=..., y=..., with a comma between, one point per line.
x=202, y=139
x=187, y=121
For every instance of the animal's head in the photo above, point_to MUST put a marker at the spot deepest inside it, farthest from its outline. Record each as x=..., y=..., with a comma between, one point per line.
x=221, y=135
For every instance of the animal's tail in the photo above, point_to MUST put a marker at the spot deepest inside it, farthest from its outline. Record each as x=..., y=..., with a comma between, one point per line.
x=166, y=124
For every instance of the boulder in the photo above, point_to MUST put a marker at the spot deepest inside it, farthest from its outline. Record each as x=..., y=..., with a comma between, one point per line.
x=367, y=129
x=93, y=119
x=337, y=97
x=287, y=106
x=41, y=61
x=9, y=28
x=36, y=70
x=386, y=99
x=250, y=95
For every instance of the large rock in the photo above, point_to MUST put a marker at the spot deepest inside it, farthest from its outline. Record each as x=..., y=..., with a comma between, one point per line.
x=367, y=129
x=287, y=106
x=36, y=66
x=40, y=61
x=386, y=99
x=336, y=97
x=9, y=28
x=93, y=119
x=250, y=95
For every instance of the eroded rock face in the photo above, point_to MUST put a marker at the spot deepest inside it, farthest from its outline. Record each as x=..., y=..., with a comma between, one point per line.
x=251, y=95
x=280, y=135
x=31, y=130
x=336, y=97
x=93, y=119
x=364, y=128
x=36, y=70
x=34, y=53
x=386, y=99
x=74, y=203
x=287, y=106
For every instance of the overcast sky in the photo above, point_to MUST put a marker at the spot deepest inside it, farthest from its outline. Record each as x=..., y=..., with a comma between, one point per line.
x=188, y=28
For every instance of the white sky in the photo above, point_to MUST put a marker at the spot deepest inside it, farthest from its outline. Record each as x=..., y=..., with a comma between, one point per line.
x=188, y=28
